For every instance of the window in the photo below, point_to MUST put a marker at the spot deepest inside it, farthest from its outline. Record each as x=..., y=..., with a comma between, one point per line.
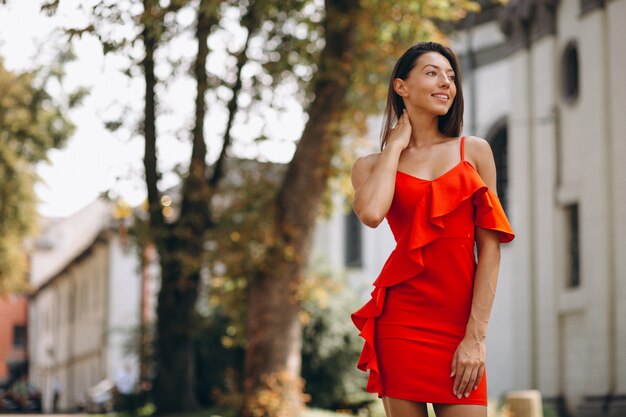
x=587, y=6
x=499, y=146
x=19, y=336
x=573, y=246
x=353, y=241
x=570, y=73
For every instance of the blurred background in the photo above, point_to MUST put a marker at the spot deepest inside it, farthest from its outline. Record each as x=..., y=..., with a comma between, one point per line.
x=176, y=232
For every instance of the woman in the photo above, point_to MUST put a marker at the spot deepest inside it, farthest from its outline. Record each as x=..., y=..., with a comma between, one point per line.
x=426, y=323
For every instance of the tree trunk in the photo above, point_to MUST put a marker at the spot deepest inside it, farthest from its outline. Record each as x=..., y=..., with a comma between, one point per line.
x=272, y=382
x=272, y=368
x=181, y=248
x=150, y=40
x=174, y=388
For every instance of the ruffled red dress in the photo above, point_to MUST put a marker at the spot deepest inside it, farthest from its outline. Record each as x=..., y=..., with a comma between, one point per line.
x=422, y=298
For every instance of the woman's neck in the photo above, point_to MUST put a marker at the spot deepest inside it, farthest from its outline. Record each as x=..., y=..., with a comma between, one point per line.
x=424, y=129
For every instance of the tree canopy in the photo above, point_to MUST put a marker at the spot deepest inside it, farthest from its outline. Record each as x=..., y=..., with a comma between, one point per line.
x=31, y=123
x=333, y=58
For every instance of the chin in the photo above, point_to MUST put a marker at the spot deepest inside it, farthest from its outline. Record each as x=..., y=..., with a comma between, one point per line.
x=441, y=112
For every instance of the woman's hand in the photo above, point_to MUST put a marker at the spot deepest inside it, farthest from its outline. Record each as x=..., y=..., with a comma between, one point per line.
x=400, y=135
x=468, y=365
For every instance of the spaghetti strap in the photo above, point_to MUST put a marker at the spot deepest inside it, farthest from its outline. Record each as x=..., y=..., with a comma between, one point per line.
x=462, y=148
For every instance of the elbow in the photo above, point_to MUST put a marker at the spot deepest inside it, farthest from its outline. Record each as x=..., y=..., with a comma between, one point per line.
x=370, y=219
x=373, y=223
x=368, y=213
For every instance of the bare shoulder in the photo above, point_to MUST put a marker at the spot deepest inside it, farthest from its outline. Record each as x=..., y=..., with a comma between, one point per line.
x=362, y=167
x=478, y=151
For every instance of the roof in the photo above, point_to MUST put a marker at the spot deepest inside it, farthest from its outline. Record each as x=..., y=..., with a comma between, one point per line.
x=61, y=241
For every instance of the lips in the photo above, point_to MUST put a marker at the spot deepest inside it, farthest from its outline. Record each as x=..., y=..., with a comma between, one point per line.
x=441, y=96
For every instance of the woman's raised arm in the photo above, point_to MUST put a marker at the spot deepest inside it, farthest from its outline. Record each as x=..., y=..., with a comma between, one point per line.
x=373, y=176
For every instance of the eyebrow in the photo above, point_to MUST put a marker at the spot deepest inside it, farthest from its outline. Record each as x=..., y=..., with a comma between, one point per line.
x=431, y=65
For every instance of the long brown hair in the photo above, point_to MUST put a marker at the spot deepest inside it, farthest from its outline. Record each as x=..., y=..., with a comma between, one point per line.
x=449, y=124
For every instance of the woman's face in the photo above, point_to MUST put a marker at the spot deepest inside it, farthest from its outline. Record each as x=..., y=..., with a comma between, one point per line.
x=430, y=84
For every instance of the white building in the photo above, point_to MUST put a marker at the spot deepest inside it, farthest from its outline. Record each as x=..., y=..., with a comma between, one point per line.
x=85, y=305
x=543, y=82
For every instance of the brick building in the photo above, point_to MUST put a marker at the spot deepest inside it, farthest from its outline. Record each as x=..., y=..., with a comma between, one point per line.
x=13, y=314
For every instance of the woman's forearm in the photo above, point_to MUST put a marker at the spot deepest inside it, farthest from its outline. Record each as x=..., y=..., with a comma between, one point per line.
x=373, y=199
x=485, y=282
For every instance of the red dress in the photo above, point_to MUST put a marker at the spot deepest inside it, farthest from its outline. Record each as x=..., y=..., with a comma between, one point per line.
x=422, y=298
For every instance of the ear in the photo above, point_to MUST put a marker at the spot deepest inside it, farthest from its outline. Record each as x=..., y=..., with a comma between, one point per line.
x=399, y=87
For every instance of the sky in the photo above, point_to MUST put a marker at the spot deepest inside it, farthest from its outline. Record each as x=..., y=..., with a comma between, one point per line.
x=96, y=160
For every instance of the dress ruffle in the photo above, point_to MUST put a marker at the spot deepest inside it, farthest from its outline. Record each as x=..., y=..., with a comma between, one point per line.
x=438, y=199
x=490, y=214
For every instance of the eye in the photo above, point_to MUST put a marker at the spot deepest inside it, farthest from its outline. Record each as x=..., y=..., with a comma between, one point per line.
x=452, y=77
x=431, y=72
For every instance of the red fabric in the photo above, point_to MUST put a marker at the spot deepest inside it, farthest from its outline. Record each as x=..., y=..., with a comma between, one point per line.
x=421, y=301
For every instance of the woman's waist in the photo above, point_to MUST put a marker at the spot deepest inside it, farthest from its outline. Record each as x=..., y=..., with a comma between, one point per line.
x=450, y=333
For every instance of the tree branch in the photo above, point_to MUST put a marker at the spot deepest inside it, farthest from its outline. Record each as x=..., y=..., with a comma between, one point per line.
x=251, y=24
x=150, y=40
x=308, y=172
x=195, y=189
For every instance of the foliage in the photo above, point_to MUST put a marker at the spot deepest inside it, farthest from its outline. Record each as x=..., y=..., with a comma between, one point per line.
x=281, y=49
x=339, y=183
x=31, y=123
x=219, y=363
x=244, y=243
x=269, y=395
x=330, y=346
x=548, y=410
x=155, y=26
x=387, y=28
x=242, y=239
x=278, y=52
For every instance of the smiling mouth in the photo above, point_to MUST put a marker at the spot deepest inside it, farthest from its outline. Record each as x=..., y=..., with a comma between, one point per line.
x=441, y=97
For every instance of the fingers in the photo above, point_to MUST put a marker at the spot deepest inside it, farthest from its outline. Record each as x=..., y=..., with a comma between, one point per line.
x=479, y=378
x=453, y=364
x=402, y=117
x=458, y=371
x=462, y=377
x=464, y=381
x=468, y=368
x=468, y=375
x=470, y=383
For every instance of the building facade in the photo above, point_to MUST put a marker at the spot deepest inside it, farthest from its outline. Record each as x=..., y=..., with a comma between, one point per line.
x=86, y=306
x=543, y=83
x=13, y=342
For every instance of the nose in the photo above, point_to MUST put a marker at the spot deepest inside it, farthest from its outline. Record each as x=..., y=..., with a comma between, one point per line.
x=446, y=80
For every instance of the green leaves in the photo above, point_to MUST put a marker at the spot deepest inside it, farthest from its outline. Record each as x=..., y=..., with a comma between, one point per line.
x=386, y=29
x=31, y=123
